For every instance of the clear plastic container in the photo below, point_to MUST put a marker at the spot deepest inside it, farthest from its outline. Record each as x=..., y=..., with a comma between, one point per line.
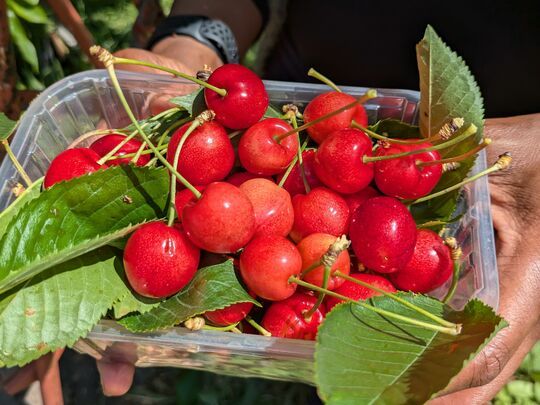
x=86, y=101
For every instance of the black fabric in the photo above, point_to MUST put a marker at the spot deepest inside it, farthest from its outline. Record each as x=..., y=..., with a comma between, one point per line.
x=372, y=44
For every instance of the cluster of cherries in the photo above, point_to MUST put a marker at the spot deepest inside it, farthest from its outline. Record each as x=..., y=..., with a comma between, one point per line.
x=278, y=216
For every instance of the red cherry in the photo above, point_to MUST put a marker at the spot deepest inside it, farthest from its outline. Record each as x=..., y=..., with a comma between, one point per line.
x=221, y=221
x=383, y=234
x=286, y=318
x=72, y=163
x=402, y=177
x=246, y=100
x=106, y=143
x=294, y=183
x=272, y=205
x=266, y=264
x=326, y=103
x=338, y=161
x=357, y=292
x=206, y=156
x=183, y=198
x=260, y=153
x=232, y=314
x=238, y=178
x=312, y=248
x=355, y=200
x=159, y=260
x=430, y=265
x=319, y=211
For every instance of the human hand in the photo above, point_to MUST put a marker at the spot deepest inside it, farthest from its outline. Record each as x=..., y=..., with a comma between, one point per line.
x=516, y=217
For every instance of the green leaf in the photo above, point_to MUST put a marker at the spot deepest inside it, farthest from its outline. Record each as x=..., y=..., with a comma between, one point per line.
x=395, y=129
x=7, y=126
x=193, y=103
x=33, y=14
x=363, y=357
x=212, y=288
x=447, y=90
x=271, y=112
x=29, y=194
x=23, y=44
x=133, y=302
x=58, y=306
x=74, y=217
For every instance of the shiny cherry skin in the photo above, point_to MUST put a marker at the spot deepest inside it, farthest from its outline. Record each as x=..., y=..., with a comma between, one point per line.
x=72, y=163
x=402, y=177
x=229, y=315
x=338, y=161
x=260, y=153
x=294, y=183
x=312, y=248
x=221, y=221
x=206, y=156
x=430, y=265
x=286, y=318
x=274, y=214
x=326, y=103
x=183, y=198
x=239, y=178
x=355, y=200
x=358, y=292
x=383, y=234
x=266, y=264
x=319, y=211
x=246, y=100
x=159, y=260
x=106, y=143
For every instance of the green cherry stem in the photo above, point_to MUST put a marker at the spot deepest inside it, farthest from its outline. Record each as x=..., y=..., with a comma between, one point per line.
x=396, y=298
x=257, y=327
x=470, y=131
x=300, y=157
x=320, y=298
x=362, y=99
x=319, y=76
x=291, y=166
x=375, y=135
x=454, y=330
x=502, y=163
x=221, y=328
x=456, y=254
x=106, y=58
x=485, y=143
x=16, y=163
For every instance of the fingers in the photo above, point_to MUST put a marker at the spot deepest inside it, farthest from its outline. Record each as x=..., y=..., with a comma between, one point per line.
x=21, y=380
x=147, y=56
x=116, y=377
x=48, y=373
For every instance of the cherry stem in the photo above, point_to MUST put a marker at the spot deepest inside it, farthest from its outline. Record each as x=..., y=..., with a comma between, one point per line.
x=144, y=152
x=257, y=327
x=486, y=142
x=454, y=330
x=197, y=122
x=309, y=269
x=396, y=298
x=291, y=166
x=125, y=61
x=368, y=96
x=456, y=254
x=321, y=296
x=300, y=157
x=470, y=131
x=16, y=163
x=319, y=76
x=106, y=57
x=221, y=328
x=502, y=163
x=375, y=135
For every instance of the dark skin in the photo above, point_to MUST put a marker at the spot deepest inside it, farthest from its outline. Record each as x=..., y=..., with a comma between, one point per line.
x=515, y=209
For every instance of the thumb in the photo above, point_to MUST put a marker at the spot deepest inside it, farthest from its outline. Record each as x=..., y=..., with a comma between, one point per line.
x=116, y=377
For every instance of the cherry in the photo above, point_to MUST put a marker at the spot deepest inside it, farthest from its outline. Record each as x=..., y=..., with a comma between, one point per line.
x=183, y=198
x=403, y=177
x=358, y=292
x=430, y=265
x=246, y=99
x=239, y=178
x=319, y=211
x=312, y=248
x=355, y=200
x=272, y=205
x=107, y=143
x=221, y=221
x=206, y=156
x=261, y=153
x=159, y=260
x=266, y=264
x=338, y=161
x=325, y=103
x=294, y=183
x=286, y=318
x=71, y=163
x=383, y=234
x=232, y=314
